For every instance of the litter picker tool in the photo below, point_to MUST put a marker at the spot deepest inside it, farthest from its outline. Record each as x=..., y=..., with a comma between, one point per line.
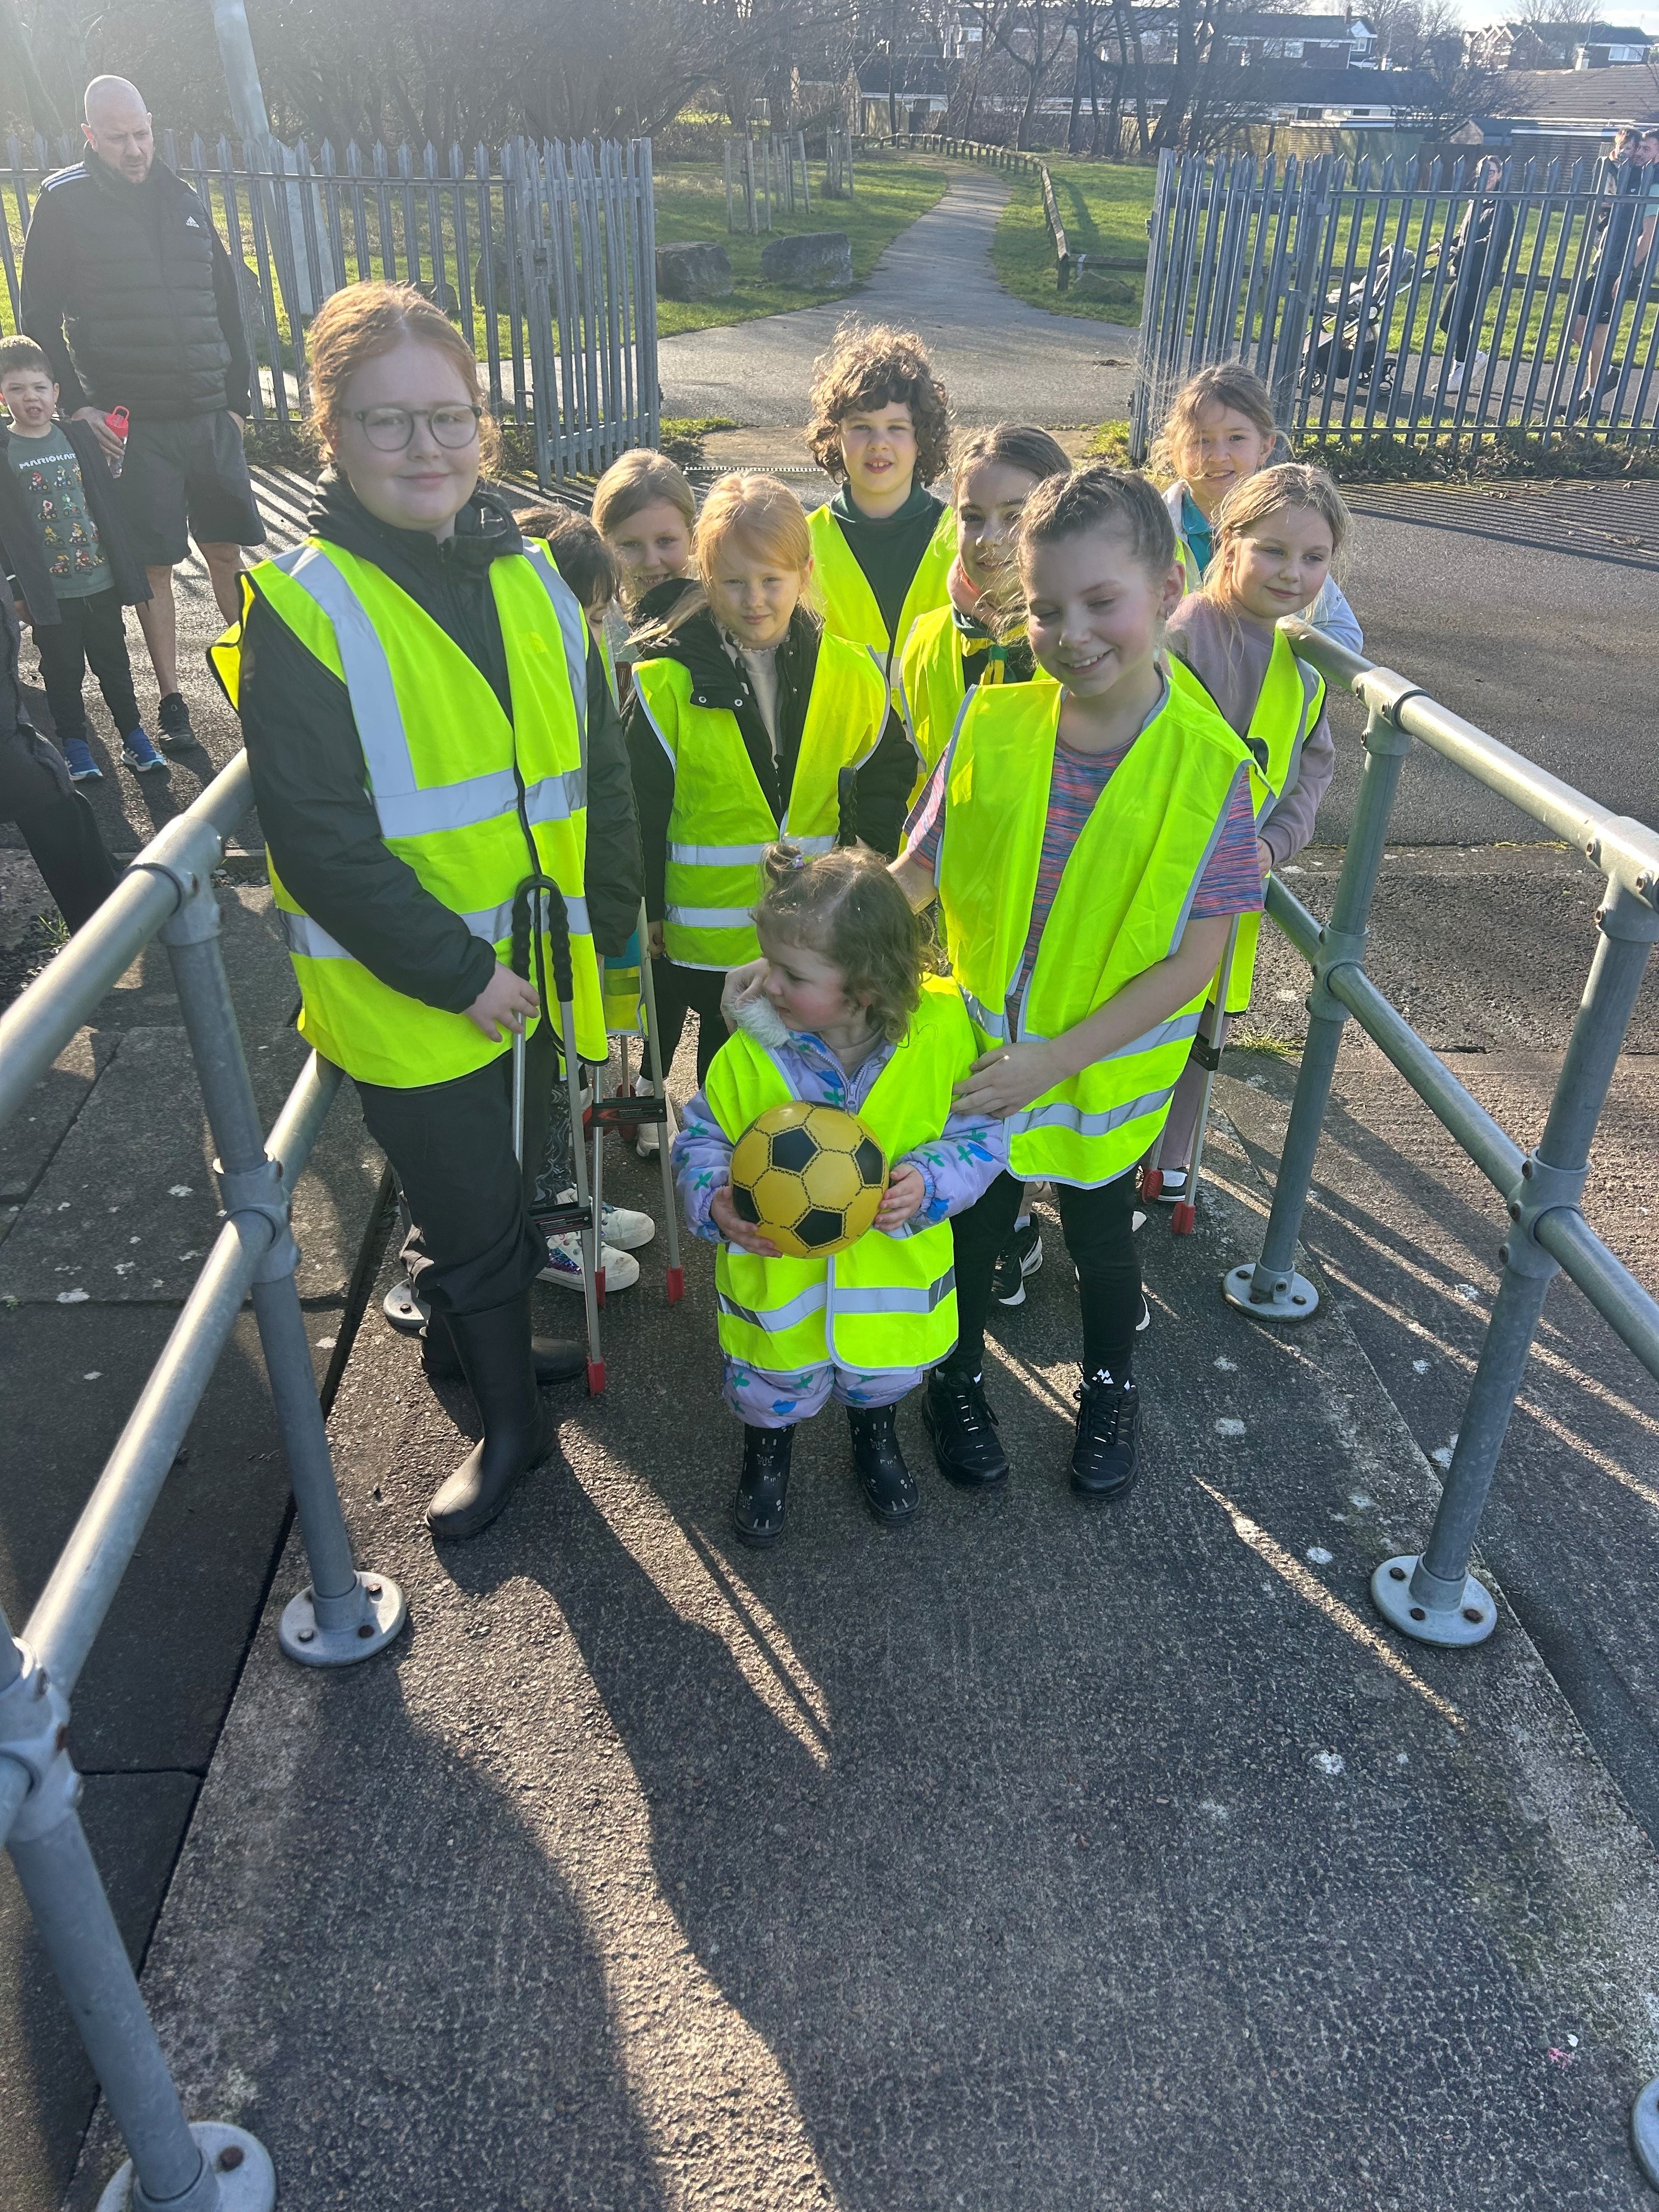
x=626, y=1109
x=540, y=896
x=1206, y=1051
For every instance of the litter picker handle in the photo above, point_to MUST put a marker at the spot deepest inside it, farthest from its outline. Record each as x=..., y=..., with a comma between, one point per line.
x=520, y=949
x=558, y=934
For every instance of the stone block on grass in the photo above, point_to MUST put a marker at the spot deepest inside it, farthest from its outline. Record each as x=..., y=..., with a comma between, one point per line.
x=812, y=261
x=694, y=269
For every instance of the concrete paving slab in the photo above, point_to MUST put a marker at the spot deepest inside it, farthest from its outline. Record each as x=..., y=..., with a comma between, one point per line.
x=28, y=1141
x=935, y=277
x=134, y=1823
x=1035, y=1858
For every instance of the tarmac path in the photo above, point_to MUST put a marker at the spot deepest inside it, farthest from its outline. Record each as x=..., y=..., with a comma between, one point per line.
x=1000, y=357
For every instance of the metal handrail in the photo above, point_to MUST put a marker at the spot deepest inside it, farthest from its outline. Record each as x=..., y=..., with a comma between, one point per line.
x=342, y=1616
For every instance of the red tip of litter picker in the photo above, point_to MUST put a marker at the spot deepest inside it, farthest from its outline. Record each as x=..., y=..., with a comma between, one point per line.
x=595, y=1377
x=676, y=1281
x=1181, y=1221
x=1152, y=1182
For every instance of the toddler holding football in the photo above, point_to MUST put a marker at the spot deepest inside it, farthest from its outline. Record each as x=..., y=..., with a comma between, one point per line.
x=841, y=1010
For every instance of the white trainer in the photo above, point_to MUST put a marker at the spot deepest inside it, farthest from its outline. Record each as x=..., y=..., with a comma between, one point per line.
x=619, y=1225
x=564, y=1265
x=648, y=1137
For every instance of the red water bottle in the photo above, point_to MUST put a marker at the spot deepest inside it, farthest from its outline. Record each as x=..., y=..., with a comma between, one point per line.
x=117, y=421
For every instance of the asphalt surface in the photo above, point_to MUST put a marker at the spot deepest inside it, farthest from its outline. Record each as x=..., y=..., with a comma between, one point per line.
x=610, y=1598
x=935, y=277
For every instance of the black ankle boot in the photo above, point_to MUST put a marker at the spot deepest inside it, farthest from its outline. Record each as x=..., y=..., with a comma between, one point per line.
x=518, y=1429
x=758, y=1509
x=1104, y=1462
x=556, y=1359
x=963, y=1430
x=890, y=1488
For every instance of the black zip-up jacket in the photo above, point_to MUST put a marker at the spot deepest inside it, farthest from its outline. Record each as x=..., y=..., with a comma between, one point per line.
x=309, y=774
x=882, y=784
x=18, y=525
x=130, y=295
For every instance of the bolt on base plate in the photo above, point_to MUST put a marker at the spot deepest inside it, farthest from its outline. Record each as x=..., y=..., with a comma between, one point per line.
x=1645, y=2131
x=403, y=1309
x=1471, y=1620
x=240, y=2164
x=384, y=1614
x=1296, y=1302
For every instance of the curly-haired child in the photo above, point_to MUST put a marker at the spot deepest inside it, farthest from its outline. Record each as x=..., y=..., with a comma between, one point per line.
x=883, y=545
x=841, y=1011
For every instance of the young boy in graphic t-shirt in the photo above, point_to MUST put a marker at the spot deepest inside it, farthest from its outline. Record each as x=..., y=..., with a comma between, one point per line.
x=67, y=490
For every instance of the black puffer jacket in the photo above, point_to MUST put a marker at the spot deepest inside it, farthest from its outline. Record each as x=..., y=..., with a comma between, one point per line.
x=307, y=762
x=132, y=298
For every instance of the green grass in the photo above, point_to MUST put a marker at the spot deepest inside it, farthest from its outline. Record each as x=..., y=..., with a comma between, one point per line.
x=1103, y=206
x=691, y=204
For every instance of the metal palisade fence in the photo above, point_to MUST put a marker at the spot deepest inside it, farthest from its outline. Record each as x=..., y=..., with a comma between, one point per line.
x=543, y=256
x=1442, y=300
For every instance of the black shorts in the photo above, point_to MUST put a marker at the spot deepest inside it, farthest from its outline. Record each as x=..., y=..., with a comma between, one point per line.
x=184, y=480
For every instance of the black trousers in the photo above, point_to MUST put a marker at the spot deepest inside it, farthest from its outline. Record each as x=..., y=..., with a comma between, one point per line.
x=1099, y=1231
x=473, y=1245
x=89, y=632
x=59, y=827
x=681, y=991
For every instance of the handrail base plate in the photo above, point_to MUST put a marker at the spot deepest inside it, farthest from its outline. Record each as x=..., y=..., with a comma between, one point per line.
x=1471, y=1620
x=1297, y=1301
x=238, y=2161
x=302, y=1639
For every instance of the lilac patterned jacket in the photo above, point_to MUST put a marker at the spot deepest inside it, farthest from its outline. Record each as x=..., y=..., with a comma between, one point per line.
x=957, y=1165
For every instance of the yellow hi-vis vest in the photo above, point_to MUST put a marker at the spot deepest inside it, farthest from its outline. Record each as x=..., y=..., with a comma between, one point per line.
x=850, y=608
x=1121, y=908
x=472, y=802
x=722, y=823
x=885, y=1302
x=933, y=685
x=1287, y=709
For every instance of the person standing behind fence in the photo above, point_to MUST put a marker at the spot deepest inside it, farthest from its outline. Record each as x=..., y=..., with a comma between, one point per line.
x=1634, y=179
x=1220, y=430
x=420, y=707
x=1276, y=537
x=58, y=826
x=1480, y=251
x=132, y=298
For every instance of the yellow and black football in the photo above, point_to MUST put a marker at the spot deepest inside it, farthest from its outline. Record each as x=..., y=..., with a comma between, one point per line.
x=810, y=1177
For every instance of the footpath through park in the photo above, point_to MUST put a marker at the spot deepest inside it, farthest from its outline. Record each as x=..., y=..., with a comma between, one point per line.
x=1000, y=357
x=1034, y=1858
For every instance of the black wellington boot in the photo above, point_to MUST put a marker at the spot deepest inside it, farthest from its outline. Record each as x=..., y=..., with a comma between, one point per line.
x=890, y=1488
x=518, y=1429
x=758, y=1509
x=557, y=1359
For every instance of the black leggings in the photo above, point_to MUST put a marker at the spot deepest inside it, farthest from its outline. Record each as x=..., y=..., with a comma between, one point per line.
x=681, y=991
x=1098, y=1223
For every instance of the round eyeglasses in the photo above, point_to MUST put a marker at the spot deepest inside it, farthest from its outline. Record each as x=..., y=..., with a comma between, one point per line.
x=389, y=429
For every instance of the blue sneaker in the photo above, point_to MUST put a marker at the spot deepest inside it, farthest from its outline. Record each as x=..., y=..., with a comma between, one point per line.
x=81, y=766
x=140, y=757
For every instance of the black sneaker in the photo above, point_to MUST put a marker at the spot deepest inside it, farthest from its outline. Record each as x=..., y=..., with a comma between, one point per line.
x=1103, y=1458
x=1022, y=1255
x=758, y=1509
x=174, y=717
x=962, y=1428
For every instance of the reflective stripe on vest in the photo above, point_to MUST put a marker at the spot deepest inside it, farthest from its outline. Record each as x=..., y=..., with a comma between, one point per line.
x=850, y=609
x=1287, y=707
x=720, y=822
x=886, y=1303
x=470, y=801
x=1121, y=908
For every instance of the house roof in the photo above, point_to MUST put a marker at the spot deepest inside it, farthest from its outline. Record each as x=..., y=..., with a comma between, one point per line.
x=1582, y=35
x=1331, y=30
x=1285, y=84
x=1626, y=94
x=913, y=78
